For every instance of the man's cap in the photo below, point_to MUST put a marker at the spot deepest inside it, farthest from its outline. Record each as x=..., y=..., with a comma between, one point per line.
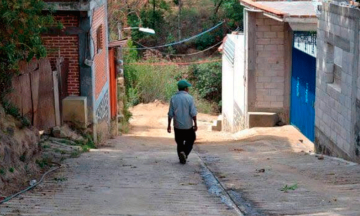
x=183, y=84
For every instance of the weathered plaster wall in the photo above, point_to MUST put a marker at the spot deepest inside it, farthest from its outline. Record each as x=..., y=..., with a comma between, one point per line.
x=268, y=64
x=227, y=95
x=233, y=82
x=337, y=82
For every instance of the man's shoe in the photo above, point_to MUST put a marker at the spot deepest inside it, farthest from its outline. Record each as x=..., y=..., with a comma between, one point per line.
x=182, y=157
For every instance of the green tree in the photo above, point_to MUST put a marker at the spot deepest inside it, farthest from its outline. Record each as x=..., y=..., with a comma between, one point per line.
x=22, y=22
x=208, y=80
x=232, y=10
x=233, y=13
x=153, y=16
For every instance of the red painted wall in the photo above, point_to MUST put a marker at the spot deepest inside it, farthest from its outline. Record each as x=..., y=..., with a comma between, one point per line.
x=113, y=82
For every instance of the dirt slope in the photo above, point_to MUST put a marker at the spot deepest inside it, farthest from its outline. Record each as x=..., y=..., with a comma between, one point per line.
x=19, y=150
x=151, y=120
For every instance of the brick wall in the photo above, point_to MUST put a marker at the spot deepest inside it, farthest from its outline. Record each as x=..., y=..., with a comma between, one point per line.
x=100, y=59
x=270, y=63
x=68, y=47
x=337, y=85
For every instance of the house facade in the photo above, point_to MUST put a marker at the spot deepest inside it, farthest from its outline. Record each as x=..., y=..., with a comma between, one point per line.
x=269, y=55
x=83, y=45
x=301, y=62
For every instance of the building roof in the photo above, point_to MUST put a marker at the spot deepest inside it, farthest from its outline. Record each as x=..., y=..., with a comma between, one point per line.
x=118, y=43
x=283, y=9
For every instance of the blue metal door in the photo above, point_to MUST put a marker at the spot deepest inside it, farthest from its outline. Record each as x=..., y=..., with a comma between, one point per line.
x=302, y=111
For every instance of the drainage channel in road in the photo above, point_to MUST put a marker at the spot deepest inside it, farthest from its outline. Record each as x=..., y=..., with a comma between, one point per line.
x=229, y=197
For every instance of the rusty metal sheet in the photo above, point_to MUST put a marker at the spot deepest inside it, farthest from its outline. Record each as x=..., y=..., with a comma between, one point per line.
x=28, y=67
x=33, y=93
x=26, y=102
x=62, y=66
x=34, y=78
x=63, y=69
x=15, y=96
x=46, y=110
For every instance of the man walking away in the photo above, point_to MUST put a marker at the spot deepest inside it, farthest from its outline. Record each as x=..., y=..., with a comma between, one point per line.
x=183, y=110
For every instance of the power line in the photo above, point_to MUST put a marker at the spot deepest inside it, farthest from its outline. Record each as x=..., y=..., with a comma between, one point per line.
x=179, y=42
x=175, y=63
x=190, y=54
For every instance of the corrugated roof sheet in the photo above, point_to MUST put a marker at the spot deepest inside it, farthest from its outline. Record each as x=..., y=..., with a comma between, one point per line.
x=118, y=43
x=298, y=9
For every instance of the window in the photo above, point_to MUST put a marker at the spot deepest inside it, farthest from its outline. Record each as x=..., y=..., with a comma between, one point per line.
x=99, y=39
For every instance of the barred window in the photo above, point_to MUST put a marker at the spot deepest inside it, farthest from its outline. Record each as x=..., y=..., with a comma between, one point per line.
x=99, y=39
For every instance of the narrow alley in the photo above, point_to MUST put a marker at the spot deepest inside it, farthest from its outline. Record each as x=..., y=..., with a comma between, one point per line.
x=255, y=172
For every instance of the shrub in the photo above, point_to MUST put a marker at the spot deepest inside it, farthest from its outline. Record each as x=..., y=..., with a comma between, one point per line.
x=147, y=83
x=207, y=79
x=202, y=105
x=133, y=97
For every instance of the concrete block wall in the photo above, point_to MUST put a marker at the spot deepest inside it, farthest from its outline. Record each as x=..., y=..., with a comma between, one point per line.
x=270, y=62
x=337, y=108
x=67, y=46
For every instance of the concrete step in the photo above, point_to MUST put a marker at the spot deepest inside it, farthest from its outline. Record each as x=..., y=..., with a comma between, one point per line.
x=217, y=124
x=263, y=119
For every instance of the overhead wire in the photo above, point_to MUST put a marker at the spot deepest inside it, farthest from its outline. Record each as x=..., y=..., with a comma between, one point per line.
x=190, y=54
x=178, y=42
x=174, y=63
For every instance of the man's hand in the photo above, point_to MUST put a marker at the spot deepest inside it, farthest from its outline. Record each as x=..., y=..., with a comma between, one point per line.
x=169, y=129
x=195, y=123
x=169, y=125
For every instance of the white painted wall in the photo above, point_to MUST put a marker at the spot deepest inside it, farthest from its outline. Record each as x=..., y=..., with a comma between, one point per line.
x=233, y=87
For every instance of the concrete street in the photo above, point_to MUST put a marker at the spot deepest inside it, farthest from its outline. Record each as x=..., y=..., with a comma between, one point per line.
x=139, y=174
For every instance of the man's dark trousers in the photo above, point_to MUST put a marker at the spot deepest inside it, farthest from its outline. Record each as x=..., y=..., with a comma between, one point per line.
x=185, y=140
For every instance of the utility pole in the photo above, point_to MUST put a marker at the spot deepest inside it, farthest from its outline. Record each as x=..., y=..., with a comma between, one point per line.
x=119, y=31
x=154, y=7
x=179, y=20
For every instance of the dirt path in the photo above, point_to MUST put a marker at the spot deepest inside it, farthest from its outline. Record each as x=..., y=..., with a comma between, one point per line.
x=150, y=120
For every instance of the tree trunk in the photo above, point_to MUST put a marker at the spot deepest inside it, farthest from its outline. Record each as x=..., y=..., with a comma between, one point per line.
x=218, y=7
